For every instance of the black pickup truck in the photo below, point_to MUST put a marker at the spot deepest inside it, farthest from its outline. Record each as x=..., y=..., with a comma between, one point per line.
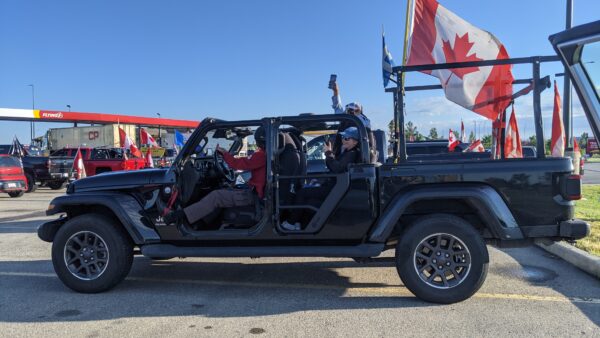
x=437, y=216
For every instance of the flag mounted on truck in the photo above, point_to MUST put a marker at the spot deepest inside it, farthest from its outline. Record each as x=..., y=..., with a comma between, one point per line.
x=440, y=36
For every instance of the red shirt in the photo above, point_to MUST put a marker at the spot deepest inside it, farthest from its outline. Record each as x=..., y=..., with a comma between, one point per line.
x=256, y=163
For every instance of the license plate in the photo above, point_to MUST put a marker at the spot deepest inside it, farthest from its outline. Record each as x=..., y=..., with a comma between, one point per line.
x=12, y=185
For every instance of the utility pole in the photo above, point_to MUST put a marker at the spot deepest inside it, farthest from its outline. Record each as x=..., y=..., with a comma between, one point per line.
x=567, y=116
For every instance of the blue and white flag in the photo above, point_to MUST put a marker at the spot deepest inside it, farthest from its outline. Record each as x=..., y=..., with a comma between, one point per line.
x=179, y=139
x=387, y=63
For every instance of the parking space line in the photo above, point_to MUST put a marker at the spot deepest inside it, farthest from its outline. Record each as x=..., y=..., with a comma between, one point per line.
x=349, y=291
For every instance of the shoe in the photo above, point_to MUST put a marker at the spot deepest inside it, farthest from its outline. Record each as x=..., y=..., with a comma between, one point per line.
x=290, y=227
x=172, y=217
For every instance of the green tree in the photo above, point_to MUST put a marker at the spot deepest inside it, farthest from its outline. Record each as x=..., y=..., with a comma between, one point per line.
x=391, y=128
x=433, y=134
x=583, y=141
x=532, y=140
x=410, y=131
x=456, y=134
x=486, y=141
x=471, y=137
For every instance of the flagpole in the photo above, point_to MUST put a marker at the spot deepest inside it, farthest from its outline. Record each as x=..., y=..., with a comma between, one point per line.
x=407, y=28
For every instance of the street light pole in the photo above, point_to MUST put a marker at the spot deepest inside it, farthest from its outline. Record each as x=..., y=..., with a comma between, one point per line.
x=159, y=135
x=32, y=124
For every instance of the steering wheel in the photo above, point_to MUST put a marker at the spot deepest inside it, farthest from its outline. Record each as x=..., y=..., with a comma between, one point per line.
x=222, y=168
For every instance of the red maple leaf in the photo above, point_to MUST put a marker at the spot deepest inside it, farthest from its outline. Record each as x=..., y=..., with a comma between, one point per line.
x=462, y=46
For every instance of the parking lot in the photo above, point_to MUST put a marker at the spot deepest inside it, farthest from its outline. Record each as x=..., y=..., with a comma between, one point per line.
x=527, y=292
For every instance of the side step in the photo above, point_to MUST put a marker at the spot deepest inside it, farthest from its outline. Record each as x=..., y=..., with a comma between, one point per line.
x=169, y=250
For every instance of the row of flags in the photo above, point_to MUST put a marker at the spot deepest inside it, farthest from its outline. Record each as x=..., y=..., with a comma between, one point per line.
x=512, y=143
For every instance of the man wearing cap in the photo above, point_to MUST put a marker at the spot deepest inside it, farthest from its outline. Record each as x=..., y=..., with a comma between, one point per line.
x=353, y=108
x=336, y=163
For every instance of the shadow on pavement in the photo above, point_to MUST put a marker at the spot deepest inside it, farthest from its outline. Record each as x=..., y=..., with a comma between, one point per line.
x=178, y=288
x=20, y=227
x=546, y=270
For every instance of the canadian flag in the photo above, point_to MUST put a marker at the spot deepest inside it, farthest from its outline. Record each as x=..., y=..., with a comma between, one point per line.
x=512, y=143
x=475, y=147
x=149, y=160
x=78, y=167
x=127, y=143
x=557, y=145
x=146, y=138
x=440, y=36
x=452, y=141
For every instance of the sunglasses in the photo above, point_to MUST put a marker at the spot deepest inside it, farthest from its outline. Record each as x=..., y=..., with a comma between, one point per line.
x=352, y=111
x=347, y=138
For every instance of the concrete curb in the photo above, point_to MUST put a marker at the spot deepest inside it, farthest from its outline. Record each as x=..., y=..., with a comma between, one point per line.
x=581, y=259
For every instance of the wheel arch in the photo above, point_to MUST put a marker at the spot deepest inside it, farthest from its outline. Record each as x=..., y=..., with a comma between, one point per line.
x=488, y=207
x=122, y=208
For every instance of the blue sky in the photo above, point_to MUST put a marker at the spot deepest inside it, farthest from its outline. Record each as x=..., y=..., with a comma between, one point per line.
x=242, y=59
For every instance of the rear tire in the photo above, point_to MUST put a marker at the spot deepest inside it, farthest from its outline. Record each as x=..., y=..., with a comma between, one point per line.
x=55, y=185
x=441, y=258
x=31, y=187
x=15, y=194
x=92, y=253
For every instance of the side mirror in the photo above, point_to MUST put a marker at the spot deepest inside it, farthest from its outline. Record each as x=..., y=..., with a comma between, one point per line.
x=209, y=151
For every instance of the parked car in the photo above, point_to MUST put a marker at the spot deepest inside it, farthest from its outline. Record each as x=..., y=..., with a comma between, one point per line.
x=36, y=168
x=12, y=176
x=95, y=161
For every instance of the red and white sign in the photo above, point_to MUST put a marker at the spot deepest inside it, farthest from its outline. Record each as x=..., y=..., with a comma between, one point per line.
x=557, y=144
x=146, y=138
x=78, y=167
x=512, y=143
x=55, y=115
x=452, y=141
x=127, y=143
x=440, y=36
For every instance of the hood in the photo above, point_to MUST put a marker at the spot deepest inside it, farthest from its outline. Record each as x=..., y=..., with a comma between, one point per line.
x=122, y=180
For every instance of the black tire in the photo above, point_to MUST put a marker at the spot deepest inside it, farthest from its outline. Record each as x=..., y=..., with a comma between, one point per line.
x=31, y=187
x=55, y=185
x=112, y=260
x=15, y=194
x=448, y=242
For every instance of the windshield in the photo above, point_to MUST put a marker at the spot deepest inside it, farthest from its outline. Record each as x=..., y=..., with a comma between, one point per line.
x=590, y=60
x=7, y=161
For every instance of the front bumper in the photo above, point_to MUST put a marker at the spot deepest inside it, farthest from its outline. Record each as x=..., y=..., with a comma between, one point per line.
x=8, y=186
x=60, y=176
x=47, y=231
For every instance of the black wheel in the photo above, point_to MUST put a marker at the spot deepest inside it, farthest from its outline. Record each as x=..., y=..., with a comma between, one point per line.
x=15, y=194
x=92, y=253
x=55, y=185
x=442, y=259
x=31, y=187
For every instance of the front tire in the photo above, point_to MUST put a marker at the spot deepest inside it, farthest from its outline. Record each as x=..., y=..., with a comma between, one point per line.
x=92, y=253
x=31, y=187
x=442, y=259
x=15, y=194
x=55, y=185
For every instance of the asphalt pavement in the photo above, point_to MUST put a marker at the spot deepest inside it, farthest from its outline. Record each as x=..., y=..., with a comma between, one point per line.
x=591, y=173
x=528, y=292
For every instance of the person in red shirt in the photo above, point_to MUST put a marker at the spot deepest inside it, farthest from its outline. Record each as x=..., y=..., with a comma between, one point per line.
x=230, y=197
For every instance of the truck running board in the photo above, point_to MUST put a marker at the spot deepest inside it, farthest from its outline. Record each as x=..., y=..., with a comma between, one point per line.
x=169, y=250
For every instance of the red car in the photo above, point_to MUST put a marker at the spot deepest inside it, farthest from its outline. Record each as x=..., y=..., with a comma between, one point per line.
x=12, y=176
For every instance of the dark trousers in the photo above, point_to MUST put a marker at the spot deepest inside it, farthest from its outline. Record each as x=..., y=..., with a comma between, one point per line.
x=308, y=195
x=222, y=198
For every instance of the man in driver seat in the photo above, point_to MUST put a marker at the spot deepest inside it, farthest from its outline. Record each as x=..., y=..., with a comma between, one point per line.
x=230, y=197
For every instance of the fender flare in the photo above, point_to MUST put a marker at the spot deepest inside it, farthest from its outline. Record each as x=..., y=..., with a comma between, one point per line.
x=125, y=207
x=489, y=204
